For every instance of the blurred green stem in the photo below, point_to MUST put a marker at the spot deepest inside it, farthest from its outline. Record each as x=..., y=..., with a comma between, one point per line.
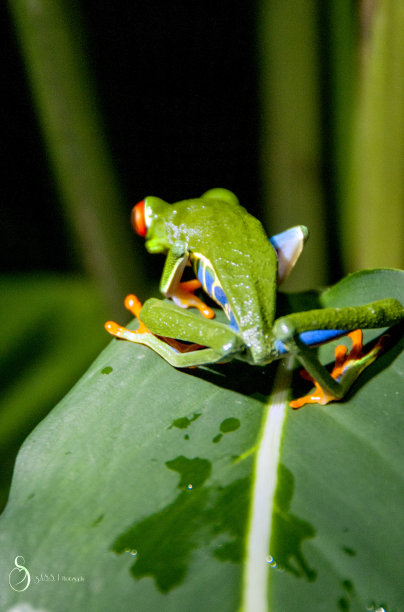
x=51, y=38
x=375, y=208
x=341, y=42
x=288, y=58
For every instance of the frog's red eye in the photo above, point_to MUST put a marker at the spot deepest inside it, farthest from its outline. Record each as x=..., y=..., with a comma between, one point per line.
x=138, y=219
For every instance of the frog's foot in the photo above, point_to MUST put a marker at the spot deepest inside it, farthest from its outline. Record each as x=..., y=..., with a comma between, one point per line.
x=134, y=306
x=183, y=295
x=347, y=368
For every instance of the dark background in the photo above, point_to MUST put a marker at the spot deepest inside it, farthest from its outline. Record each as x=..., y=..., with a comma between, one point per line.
x=199, y=56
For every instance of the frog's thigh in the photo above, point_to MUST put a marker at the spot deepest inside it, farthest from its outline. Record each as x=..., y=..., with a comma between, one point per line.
x=382, y=313
x=168, y=320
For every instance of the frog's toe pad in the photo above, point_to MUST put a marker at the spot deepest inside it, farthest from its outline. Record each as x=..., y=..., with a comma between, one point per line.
x=112, y=328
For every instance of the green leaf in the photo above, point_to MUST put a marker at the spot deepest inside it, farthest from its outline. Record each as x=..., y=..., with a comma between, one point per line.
x=137, y=492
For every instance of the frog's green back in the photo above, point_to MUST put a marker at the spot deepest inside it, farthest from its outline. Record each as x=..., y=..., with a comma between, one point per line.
x=241, y=255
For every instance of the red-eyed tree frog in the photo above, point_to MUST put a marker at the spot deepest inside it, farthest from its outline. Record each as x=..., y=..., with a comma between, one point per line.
x=240, y=268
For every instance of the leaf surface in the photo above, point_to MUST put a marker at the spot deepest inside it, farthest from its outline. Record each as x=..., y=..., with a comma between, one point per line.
x=139, y=485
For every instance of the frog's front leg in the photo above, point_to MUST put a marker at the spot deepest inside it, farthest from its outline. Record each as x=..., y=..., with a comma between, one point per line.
x=331, y=387
x=163, y=326
x=182, y=293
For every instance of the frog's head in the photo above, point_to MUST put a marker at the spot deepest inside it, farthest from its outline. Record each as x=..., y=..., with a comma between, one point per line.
x=148, y=220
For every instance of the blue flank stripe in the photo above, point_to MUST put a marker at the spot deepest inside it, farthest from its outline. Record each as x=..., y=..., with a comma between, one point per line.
x=220, y=296
x=233, y=322
x=313, y=338
x=208, y=282
x=199, y=274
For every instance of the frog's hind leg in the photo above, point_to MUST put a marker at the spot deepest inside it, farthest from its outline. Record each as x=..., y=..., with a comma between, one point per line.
x=142, y=335
x=381, y=313
x=178, y=354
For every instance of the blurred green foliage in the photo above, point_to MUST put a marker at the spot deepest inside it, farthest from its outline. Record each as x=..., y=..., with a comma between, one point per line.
x=332, y=100
x=53, y=330
x=373, y=209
